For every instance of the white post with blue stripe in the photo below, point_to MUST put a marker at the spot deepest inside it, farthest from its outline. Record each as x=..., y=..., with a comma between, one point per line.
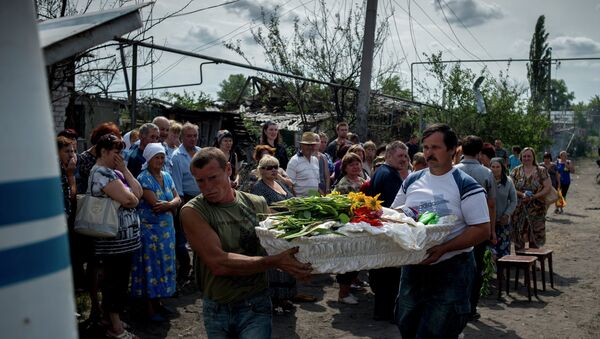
x=36, y=289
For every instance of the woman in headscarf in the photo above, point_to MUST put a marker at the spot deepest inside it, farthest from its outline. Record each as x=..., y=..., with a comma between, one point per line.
x=506, y=201
x=225, y=143
x=153, y=275
x=130, y=138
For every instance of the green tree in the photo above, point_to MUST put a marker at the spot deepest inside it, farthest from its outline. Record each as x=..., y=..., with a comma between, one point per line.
x=232, y=88
x=538, y=70
x=506, y=101
x=190, y=100
x=325, y=45
x=392, y=85
x=560, y=96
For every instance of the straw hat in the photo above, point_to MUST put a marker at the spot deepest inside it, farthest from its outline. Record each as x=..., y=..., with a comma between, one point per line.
x=309, y=138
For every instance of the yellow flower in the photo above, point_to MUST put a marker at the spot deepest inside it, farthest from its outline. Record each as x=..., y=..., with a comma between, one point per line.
x=372, y=203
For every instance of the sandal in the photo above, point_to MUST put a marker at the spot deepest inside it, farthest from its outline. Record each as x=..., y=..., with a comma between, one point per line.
x=124, y=335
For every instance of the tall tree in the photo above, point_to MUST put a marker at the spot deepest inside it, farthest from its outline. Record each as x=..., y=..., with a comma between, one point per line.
x=505, y=99
x=232, y=88
x=538, y=70
x=560, y=96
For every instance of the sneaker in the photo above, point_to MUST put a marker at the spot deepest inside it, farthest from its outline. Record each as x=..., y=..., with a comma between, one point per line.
x=556, y=211
x=349, y=300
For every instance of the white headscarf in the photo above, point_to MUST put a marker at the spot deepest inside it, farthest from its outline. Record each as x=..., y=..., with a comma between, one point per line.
x=150, y=151
x=127, y=139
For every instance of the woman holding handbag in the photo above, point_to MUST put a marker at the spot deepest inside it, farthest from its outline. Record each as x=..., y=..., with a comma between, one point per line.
x=110, y=179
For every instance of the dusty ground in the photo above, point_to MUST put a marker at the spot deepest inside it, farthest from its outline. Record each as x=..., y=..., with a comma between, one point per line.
x=570, y=310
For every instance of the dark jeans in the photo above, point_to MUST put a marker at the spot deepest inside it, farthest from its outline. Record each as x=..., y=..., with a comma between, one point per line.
x=564, y=189
x=116, y=269
x=247, y=319
x=384, y=284
x=433, y=301
x=478, y=252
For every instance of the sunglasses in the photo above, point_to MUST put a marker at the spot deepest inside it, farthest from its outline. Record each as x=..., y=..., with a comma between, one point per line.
x=270, y=168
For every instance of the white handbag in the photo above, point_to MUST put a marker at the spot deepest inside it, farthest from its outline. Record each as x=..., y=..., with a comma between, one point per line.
x=96, y=216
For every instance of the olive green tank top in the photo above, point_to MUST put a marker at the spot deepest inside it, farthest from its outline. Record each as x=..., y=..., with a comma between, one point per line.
x=234, y=224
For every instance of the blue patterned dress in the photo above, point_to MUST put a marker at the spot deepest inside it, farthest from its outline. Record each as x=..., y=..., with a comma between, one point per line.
x=153, y=274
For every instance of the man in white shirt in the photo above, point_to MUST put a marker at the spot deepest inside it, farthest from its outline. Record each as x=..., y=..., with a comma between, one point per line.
x=303, y=168
x=433, y=301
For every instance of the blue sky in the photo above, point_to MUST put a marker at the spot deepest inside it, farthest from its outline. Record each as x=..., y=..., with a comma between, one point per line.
x=462, y=29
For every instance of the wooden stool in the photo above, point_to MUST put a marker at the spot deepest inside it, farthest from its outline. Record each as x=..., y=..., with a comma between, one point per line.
x=541, y=254
x=527, y=263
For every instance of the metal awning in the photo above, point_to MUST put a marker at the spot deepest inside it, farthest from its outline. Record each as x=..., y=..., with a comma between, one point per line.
x=64, y=37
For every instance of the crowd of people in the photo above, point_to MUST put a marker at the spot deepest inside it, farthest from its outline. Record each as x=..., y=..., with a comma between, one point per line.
x=175, y=196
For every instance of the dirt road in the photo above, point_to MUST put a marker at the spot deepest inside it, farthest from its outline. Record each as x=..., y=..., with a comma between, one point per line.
x=570, y=310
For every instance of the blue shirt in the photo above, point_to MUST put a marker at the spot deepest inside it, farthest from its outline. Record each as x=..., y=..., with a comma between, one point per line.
x=185, y=183
x=513, y=161
x=134, y=158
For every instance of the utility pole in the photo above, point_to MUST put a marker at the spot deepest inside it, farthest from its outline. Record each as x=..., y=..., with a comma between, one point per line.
x=364, y=89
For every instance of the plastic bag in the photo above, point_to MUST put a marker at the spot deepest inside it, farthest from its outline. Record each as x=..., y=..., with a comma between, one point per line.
x=561, y=202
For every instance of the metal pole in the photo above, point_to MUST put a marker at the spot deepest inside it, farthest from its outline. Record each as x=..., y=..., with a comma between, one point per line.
x=134, y=87
x=364, y=89
x=125, y=76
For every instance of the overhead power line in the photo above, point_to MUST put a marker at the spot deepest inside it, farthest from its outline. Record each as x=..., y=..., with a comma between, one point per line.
x=219, y=39
x=454, y=33
x=469, y=31
x=427, y=31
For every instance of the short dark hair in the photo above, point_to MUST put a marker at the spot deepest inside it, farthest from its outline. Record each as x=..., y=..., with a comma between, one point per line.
x=206, y=155
x=69, y=133
x=450, y=138
x=516, y=149
x=472, y=145
x=109, y=142
x=547, y=155
x=487, y=149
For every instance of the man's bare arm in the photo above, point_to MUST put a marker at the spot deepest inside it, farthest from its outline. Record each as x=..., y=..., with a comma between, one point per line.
x=473, y=235
x=207, y=245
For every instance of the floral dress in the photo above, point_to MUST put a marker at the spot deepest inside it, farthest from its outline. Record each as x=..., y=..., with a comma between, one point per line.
x=529, y=220
x=153, y=274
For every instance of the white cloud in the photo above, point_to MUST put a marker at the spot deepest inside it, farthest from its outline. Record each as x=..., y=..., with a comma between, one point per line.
x=575, y=46
x=253, y=9
x=469, y=12
x=195, y=36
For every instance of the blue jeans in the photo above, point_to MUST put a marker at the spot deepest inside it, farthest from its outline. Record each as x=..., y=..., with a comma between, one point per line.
x=249, y=318
x=433, y=301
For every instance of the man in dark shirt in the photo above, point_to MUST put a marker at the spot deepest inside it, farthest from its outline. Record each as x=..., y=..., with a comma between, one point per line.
x=342, y=138
x=413, y=146
x=149, y=133
x=387, y=181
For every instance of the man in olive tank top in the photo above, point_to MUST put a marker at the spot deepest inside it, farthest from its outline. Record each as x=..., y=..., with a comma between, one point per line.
x=219, y=225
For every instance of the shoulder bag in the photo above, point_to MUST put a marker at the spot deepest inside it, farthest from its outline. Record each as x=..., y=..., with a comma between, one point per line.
x=552, y=196
x=96, y=216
